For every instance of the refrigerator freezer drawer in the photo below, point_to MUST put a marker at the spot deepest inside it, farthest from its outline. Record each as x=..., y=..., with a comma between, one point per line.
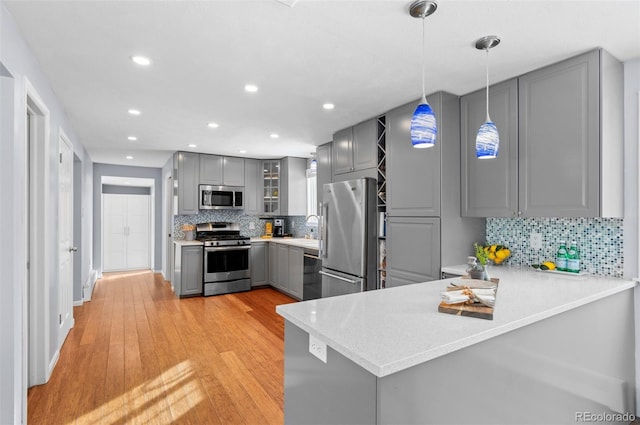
x=334, y=283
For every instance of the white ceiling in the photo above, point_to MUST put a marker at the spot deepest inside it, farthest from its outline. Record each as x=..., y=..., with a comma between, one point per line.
x=364, y=56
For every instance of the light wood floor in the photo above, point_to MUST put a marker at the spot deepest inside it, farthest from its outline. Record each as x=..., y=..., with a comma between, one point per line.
x=138, y=354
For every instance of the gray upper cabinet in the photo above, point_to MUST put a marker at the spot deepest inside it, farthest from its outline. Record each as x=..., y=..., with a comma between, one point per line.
x=568, y=145
x=252, y=186
x=323, y=157
x=221, y=170
x=293, y=186
x=490, y=186
x=355, y=148
x=187, y=170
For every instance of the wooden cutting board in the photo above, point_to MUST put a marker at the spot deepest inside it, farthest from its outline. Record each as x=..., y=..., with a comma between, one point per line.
x=472, y=310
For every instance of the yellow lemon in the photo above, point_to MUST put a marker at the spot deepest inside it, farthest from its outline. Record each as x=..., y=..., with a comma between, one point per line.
x=506, y=251
x=493, y=248
x=492, y=256
x=550, y=264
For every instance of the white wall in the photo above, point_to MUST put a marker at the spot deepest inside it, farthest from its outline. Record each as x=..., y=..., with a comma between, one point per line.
x=19, y=62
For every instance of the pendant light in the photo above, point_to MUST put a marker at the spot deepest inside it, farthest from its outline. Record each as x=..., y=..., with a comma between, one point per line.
x=488, y=139
x=424, y=129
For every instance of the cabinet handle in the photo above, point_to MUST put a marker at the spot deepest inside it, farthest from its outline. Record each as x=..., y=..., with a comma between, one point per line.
x=344, y=279
x=519, y=213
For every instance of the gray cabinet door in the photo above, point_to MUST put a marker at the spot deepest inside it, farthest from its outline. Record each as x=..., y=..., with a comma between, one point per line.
x=192, y=269
x=490, y=186
x=323, y=176
x=413, y=175
x=413, y=250
x=296, y=271
x=273, y=264
x=559, y=137
x=283, y=267
x=252, y=193
x=233, y=171
x=211, y=167
x=342, y=151
x=188, y=180
x=293, y=186
x=364, y=145
x=259, y=263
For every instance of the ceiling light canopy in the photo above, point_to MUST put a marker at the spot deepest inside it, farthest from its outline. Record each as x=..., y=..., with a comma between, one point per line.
x=141, y=60
x=424, y=130
x=488, y=139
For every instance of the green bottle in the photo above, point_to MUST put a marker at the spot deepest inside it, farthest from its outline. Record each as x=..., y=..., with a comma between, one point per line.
x=561, y=257
x=573, y=258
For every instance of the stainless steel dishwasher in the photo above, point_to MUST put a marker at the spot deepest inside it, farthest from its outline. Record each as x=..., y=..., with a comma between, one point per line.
x=312, y=282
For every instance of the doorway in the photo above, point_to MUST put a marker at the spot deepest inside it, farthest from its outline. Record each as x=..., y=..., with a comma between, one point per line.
x=66, y=248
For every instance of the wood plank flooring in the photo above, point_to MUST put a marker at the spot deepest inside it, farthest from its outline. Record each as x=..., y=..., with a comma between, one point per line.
x=139, y=355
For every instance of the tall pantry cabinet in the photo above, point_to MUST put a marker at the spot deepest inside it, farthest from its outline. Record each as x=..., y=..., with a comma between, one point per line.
x=424, y=228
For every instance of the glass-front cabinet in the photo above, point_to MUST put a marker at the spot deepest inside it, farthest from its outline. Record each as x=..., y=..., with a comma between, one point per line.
x=271, y=186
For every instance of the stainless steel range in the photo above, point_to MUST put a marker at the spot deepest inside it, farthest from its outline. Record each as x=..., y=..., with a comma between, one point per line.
x=226, y=258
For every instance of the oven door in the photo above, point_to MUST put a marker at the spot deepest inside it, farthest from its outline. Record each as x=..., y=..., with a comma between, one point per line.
x=226, y=263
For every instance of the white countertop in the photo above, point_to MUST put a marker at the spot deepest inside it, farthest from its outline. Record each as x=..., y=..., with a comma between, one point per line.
x=389, y=330
x=184, y=243
x=299, y=242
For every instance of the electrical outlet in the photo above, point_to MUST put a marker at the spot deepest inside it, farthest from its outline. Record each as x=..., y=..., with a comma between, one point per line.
x=536, y=240
x=318, y=348
x=252, y=225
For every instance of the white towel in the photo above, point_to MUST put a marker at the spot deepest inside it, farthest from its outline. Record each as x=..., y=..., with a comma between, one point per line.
x=454, y=297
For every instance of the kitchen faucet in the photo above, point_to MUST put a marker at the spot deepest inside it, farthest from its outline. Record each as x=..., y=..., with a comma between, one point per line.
x=306, y=220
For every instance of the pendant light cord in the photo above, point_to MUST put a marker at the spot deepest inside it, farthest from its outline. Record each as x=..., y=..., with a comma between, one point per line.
x=424, y=96
x=488, y=119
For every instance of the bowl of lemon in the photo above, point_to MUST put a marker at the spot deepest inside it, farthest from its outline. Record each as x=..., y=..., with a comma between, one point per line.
x=497, y=253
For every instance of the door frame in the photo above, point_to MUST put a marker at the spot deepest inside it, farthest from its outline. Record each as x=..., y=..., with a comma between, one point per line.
x=68, y=322
x=36, y=304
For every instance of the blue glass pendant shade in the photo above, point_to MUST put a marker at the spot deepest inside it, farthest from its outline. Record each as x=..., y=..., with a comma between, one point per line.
x=424, y=130
x=487, y=141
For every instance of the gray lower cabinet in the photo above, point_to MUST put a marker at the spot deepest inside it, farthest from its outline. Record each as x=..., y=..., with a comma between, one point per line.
x=490, y=186
x=561, y=152
x=186, y=174
x=187, y=270
x=286, y=268
x=259, y=263
x=413, y=250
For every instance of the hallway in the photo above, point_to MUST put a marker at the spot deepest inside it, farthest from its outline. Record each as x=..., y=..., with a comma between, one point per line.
x=138, y=354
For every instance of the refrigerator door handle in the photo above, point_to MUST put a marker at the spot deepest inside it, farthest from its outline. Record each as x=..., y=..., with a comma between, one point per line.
x=334, y=276
x=324, y=246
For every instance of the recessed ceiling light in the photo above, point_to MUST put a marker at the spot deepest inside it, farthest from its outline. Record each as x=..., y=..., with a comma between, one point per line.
x=132, y=138
x=191, y=145
x=141, y=60
x=328, y=106
x=251, y=88
x=213, y=125
x=133, y=112
x=242, y=151
x=129, y=157
x=274, y=135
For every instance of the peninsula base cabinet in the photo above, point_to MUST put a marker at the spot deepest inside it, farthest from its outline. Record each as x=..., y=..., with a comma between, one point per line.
x=546, y=372
x=286, y=269
x=187, y=270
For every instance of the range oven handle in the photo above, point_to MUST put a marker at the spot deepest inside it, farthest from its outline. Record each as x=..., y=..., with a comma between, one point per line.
x=226, y=248
x=315, y=257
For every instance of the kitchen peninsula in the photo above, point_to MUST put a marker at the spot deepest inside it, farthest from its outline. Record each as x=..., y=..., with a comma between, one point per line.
x=558, y=346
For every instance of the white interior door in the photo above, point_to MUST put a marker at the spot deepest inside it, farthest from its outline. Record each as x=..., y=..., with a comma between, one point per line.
x=65, y=238
x=138, y=234
x=126, y=232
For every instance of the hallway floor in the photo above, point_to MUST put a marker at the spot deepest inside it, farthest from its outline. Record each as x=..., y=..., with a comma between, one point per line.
x=138, y=354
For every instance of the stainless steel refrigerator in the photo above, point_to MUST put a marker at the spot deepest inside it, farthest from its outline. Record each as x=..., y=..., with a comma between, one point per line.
x=348, y=237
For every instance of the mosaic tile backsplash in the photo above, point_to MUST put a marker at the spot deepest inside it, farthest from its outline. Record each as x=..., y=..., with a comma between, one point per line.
x=294, y=224
x=599, y=240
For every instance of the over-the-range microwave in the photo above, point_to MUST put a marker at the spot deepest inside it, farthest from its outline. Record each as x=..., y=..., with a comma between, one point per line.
x=221, y=197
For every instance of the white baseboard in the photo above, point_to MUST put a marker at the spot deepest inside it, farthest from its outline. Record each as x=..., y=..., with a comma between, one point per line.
x=52, y=363
x=88, y=286
x=78, y=303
